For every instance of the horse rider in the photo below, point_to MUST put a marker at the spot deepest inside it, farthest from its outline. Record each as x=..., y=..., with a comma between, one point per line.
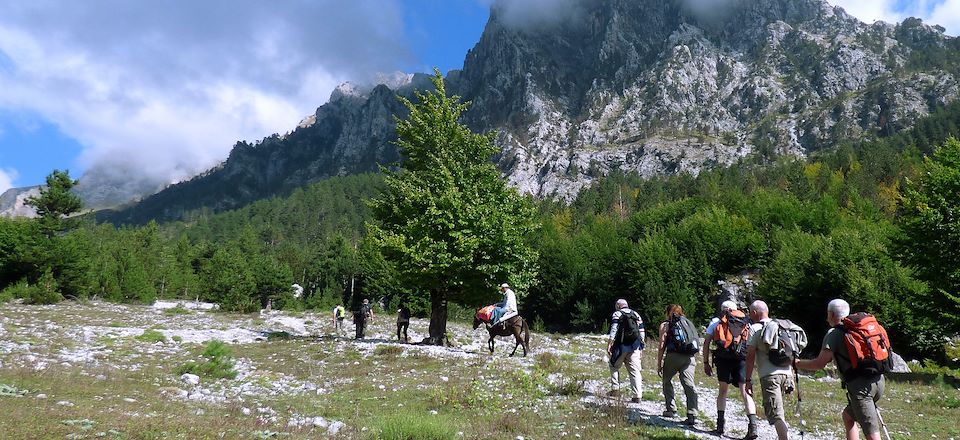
x=507, y=308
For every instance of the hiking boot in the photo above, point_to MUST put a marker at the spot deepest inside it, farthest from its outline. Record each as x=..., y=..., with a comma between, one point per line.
x=720, y=423
x=690, y=421
x=751, y=432
x=635, y=400
x=613, y=393
x=668, y=414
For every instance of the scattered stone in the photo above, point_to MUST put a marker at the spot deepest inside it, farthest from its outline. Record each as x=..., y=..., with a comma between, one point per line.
x=191, y=379
x=129, y=400
x=65, y=403
x=335, y=427
x=174, y=392
x=41, y=396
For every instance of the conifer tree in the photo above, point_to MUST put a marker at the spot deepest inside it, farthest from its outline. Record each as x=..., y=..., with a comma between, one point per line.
x=55, y=201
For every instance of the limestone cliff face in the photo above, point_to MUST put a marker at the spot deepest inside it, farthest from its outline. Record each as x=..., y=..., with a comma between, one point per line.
x=13, y=202
x=655, y=87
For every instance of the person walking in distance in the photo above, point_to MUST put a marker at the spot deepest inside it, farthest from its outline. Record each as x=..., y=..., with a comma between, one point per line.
x=360, y=318
x=403, y=322
x=775, y=381
x=864, y=383
x=339, y=314
x=624, y=347
x=679, y=345
x=728, y=334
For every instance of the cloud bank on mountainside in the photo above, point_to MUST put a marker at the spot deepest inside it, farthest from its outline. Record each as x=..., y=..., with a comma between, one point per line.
x=166, y=91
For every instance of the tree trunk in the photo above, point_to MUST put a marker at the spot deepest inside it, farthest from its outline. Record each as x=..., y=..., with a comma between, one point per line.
x=438, y=318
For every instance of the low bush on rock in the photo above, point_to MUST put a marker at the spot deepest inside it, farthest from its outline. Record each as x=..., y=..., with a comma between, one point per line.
x=151, y=336
x=219, y=363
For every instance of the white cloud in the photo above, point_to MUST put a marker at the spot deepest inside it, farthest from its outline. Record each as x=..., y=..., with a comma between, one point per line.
x=533, y=14
x=167, y=88
x=7, y=178
x=945, y=13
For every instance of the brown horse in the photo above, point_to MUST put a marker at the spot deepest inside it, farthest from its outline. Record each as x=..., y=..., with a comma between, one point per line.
x=516, y=327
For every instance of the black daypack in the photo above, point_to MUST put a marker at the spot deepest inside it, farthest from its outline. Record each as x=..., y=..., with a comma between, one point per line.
x=682, y=336
x=790, y=341
x=629, y=329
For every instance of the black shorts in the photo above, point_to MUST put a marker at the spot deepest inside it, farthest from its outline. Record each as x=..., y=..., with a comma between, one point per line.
x=731, y=371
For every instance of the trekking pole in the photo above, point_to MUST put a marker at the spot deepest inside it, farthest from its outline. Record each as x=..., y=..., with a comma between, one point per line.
x=796, y=376
x=883, y=424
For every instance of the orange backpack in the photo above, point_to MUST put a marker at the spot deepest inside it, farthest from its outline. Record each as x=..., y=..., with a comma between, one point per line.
x=731, y=335
x=868, y=345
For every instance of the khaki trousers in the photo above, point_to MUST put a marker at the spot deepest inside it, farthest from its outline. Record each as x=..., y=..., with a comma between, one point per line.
x=684, y=364
x=632, y=361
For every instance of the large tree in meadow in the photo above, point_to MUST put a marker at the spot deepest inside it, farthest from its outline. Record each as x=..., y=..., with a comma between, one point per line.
x=446, y=218
x=930, y=218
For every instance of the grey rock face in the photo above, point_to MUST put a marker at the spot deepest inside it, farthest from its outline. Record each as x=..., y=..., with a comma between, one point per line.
x=13, y=202
x=656, y=87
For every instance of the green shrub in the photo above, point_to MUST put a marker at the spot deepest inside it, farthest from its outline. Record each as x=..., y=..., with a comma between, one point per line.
x=548, y=362
x=45, y=291
x=387, y=350
x=572, y=386
x=217, y=365
x=19, y=290
x=151, y=336
x=178, y=310
x=406, y=426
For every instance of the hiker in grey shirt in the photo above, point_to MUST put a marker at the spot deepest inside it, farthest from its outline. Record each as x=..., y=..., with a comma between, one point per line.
x=774, y=381
x=863, y=391
x=623, y=352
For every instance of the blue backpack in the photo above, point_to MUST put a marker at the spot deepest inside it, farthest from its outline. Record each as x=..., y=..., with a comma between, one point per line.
x=682, y=336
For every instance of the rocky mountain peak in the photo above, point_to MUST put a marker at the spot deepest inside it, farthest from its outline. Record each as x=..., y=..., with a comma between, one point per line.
x=653, y=87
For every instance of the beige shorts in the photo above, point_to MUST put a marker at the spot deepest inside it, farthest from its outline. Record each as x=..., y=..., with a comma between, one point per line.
x=862, y=396
x=773, y=388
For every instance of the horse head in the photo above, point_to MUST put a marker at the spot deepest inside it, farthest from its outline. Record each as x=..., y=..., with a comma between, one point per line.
x=476, y=322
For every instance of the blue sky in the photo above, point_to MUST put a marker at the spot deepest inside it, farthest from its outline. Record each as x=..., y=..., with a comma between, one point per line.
x=167, y=88
x=91, y=83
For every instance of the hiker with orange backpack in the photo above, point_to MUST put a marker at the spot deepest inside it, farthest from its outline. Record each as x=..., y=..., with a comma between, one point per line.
x=729, y=333
x=860, y=348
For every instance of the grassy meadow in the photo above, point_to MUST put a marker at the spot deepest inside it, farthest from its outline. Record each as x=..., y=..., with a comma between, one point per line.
x=100, y=370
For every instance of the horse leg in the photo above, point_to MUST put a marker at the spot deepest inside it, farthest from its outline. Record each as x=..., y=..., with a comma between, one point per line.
x=516, y=336
x=490, y=343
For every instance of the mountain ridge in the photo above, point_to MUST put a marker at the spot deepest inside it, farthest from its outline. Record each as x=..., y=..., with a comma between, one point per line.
x=655, y=88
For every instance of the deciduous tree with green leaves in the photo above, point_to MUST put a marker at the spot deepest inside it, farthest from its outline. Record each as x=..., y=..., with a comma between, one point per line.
x=929, y=216
x=446, y=218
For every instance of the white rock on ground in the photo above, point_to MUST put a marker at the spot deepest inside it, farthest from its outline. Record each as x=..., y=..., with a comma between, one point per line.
x=191, y=305
x=191, y=379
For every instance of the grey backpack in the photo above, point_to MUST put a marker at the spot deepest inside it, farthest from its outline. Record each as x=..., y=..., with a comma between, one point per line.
x=788, y=343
